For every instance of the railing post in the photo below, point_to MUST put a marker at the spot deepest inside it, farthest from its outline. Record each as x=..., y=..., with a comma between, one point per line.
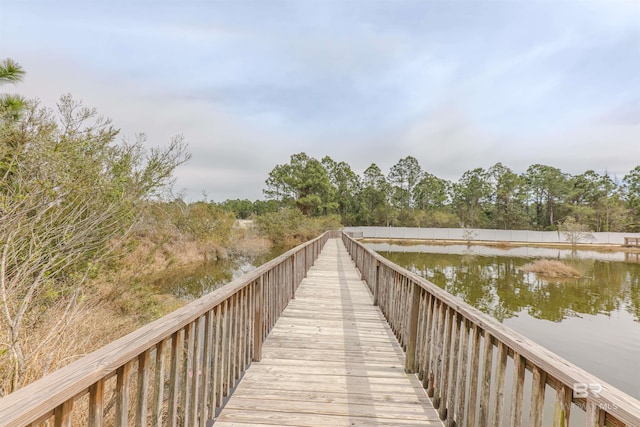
x=537, y=398
x=293, y=276
x=562, y=410
x=96, y=404
x=412, y=330
x=258, y=320
x=595, y=416
x=62, y=414
x=122, y=395
x=376, y=284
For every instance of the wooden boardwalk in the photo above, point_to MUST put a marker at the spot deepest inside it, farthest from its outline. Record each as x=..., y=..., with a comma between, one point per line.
x=331, y=360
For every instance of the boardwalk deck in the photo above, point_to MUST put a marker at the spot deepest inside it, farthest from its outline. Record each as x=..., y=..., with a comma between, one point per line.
x=331, y=360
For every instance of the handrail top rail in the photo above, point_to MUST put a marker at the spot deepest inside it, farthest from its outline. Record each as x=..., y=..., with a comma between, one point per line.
x=39, y=397
x=621, y=405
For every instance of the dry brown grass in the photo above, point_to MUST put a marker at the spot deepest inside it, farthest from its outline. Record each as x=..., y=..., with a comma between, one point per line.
x=551, y=268
x=149, y=257
x=251, y=245
x=96, y=322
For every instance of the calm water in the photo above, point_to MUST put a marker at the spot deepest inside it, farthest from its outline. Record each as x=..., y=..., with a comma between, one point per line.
x=593, y=321
x=193, y=282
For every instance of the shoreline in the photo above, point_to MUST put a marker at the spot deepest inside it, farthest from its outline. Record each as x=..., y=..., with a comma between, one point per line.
x=504, y=244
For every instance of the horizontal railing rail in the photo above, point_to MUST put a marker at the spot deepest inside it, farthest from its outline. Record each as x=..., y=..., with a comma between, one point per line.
x=177, y=370
x=462, y=356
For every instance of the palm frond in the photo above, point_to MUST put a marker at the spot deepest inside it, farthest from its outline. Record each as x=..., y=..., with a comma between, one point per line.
x=10, y=71
x=11, y=106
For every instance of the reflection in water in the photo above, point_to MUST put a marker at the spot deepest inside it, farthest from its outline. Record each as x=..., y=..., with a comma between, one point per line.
x=496, y=285
x=194, y=282
x=593, y=321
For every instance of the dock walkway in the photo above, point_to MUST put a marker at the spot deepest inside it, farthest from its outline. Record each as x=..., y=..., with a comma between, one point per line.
x=331, y=360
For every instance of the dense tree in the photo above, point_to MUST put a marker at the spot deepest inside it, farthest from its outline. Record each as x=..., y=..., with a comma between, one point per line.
x=509, y=210
x=261, y=207
x=471, y=196
x=548, y=187
x=375, y=208
x=595, y=200
x=303, y=183
x=631, y=184
x=346, y=184
x=242, y=209
x=431, y=192
x=403, y=177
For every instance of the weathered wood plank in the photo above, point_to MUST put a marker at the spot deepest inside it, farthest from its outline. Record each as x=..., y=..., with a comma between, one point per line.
x=473, y=386
x=187, y=373
x=206, y=412
x=174, y=377
x=537, y=397
x=158, y=383
x=144, y=361
x=499, y=385
x=338, y=396
x=461, y=385
x=195, y=372
x=278, y=418
x=453, y=370
x=562, y=409
x=122, y=395
x=96, y=404
x=347, y=409
x=518, y=390
x=62, y=414
x=331, y=359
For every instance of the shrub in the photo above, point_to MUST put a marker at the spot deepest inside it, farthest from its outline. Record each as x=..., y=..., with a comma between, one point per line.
x=291, y=227
x=551, y=268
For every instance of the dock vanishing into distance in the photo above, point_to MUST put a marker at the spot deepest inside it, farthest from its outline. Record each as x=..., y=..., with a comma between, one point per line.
x=330, y=360
x=328, y=334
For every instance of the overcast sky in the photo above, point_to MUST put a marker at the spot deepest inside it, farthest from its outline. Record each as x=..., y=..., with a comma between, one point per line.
x=456, y=84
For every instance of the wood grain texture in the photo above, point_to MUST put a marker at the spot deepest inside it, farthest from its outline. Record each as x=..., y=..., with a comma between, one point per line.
x=331, y=359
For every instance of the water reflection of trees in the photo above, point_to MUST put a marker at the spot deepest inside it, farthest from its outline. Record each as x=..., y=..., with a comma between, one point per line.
x=196, y=281
x=496, y=286
x=192, y=283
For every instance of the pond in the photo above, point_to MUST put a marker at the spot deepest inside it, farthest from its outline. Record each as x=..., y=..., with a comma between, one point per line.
x=193, y=282
x=592, y=321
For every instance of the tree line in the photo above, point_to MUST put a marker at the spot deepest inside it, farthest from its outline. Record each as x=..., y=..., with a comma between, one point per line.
x=541, y=198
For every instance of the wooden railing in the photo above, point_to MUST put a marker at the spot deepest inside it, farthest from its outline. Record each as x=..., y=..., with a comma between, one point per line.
x=175, y=371
x=462, y=356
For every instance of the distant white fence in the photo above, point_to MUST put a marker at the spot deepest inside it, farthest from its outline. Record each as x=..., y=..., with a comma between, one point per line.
x=479, y=234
